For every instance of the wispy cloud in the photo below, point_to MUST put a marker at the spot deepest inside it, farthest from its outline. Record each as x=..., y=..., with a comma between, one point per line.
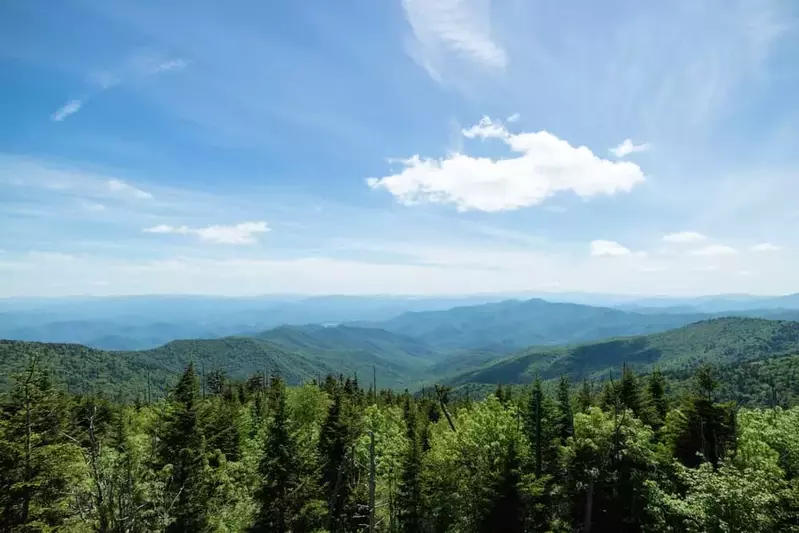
x=120, y=187
x=765, y=247
x=70, y=108
x=446, y=31
x=627, y=147
x=243, y=233
x=602, y=248
x=137, y=66
x=714, y=250
x=546, y=165
x=684, y=237
x=514, y=117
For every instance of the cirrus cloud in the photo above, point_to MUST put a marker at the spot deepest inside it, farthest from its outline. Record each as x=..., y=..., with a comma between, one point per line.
x=602, y=248
x=243, y=233
x=684, y=237
x=545, y=165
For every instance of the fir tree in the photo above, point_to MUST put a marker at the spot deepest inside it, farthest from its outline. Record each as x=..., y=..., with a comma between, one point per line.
x=409, y=500
x=278, y=469
x=184, y=449
x=37, y=462
x=565, y=424
x=585, y=397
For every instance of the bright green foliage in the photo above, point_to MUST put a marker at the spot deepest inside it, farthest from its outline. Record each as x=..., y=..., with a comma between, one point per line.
x=182, y=454
x=39, y=466
x=467, y=471
x=279, y=469
x=607, y=463
x=302, y=460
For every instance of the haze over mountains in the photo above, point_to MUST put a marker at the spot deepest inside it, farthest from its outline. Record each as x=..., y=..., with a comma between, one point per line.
x=479, y=321
x=406, y=341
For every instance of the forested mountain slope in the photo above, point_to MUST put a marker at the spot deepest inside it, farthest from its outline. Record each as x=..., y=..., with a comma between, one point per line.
x=513, y=324
x=297, y=353
x=716, y=341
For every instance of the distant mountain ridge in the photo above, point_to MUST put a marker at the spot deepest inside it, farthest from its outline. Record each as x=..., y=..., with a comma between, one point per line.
x=716, y=341
x=512, y=324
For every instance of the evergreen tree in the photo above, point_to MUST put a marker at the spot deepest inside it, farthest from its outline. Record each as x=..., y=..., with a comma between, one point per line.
x=657, y=404
x=37, y=463
x=629, y=391
x=278, y=469
x=585, y=397
x=183, y=450
x=409, y=498
x=338, y=472
x=565, y=424
x=507, y=515
x=705, y=430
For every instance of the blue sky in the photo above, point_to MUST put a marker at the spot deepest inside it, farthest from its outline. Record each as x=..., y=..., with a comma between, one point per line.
x=415, y=147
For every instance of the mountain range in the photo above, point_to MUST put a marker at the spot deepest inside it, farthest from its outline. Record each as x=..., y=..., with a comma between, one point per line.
x=498, y=342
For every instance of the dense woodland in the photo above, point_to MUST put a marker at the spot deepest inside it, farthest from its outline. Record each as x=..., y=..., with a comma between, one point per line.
x=330, y=455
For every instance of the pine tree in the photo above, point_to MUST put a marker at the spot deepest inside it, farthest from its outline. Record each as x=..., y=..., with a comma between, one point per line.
x=706, y=428
x=657, y=404
x=278, y=469
x=409, y=501
x=565, y=422
x=506, y=514
x=184, y=449
x=585, y=397
x=629, y=391
x=37, y=461
x=338, y=472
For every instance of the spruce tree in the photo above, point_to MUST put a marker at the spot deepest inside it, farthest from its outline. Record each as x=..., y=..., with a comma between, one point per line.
x=278, y=469
x=565, y=424
x=37, y=461
x=657, y=404
x=506, y=514
x=585, y=397
x=409, y=501
x=629, y=391
x=184, y=449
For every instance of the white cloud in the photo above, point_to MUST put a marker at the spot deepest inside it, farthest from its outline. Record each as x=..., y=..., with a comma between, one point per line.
x=765, y=247
x=714, y=250
x=168, y=65
x=627, y=147
x=70, y=108
x=93, y=206
x=243, y=233
x=452, y=30
x=514, y=117
x=746, y=273
x=684, y=237
x=546, y=165
x=164, y=228
x=120, y=187
x=600, y=248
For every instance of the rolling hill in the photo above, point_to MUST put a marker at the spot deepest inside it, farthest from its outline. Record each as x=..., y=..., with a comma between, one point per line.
x=298, y=353
x=716, y=341
x=512, y=325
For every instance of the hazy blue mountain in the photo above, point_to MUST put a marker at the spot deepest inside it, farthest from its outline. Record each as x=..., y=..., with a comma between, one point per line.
x=512, y=324
x=137, y=322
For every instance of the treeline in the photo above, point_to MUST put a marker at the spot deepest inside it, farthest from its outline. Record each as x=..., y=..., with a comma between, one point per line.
x=256, y=456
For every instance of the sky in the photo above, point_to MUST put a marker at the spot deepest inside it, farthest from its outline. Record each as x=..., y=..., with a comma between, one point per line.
x=399, y=147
